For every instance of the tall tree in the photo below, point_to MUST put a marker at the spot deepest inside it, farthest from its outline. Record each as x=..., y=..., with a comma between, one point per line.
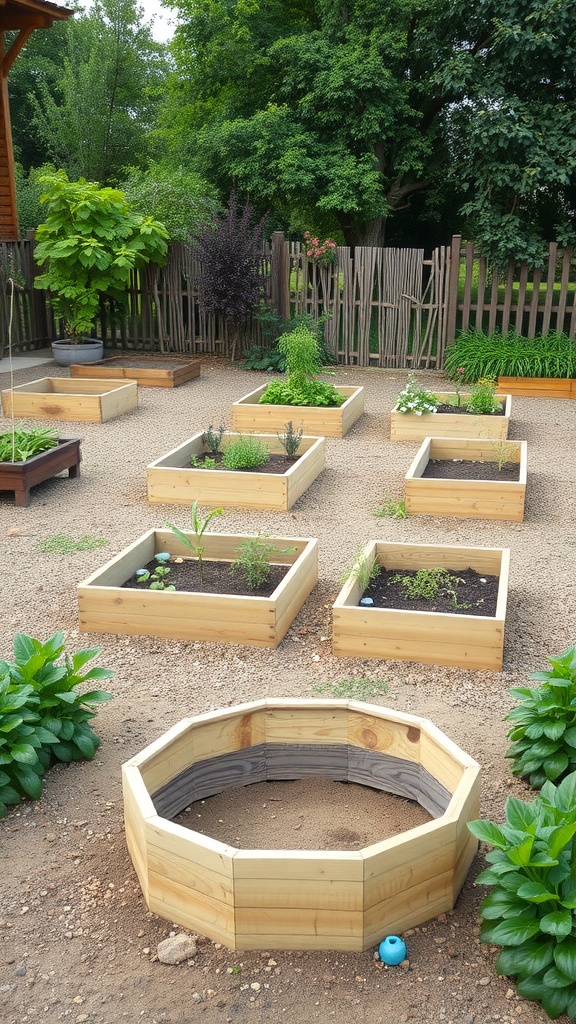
x=352, y=109
x=94, y=105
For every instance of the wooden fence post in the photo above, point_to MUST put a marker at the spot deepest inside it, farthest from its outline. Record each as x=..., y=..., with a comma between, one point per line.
x=280, y=275
x=453, y=282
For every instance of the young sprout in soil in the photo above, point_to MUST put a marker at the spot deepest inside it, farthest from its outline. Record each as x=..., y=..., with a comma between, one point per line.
x=253, y=560
x=391, y=508
x=199, y=527
x=290, y=439
x=428, y=584
x=213, y=438
x=363, y=570
x=504, y=452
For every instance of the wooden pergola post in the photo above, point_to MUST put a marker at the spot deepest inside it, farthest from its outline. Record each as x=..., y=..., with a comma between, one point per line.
x=22, y=17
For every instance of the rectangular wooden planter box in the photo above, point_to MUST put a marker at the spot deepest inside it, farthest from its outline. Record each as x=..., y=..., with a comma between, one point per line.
x=539, y=387
x=409, y=427
x=58, y=398
x=433, y=638
x=21, y=476
x=177, y=370
x=248, y=415
x=173, y=480
x=106, y=607
x=466, y=499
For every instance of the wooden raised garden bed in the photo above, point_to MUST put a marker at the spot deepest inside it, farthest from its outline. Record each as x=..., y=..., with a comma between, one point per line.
x=148, y=371
x=249, y=416
x=539, y=387
x=296, y=899
x=21, y=476
x=107, y=607
x=173, y=480
x=58, y=398
x=434, y=638
x=409, y=427
x=469, y=498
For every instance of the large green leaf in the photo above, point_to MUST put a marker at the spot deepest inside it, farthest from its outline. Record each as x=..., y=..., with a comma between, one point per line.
x=566, y=793
x=554, y=766
x=488, y=832
x=556, y=979
x=24, y=647
x=511, y=933
x=85, y=745
x=536, y=892
x=558, y=922
x=24, y=753
x=500, y=903
x=30, y=781
x=554, y=1001
x=519, y=813
x=565, y=957
x=529, y=958
x=96, y=697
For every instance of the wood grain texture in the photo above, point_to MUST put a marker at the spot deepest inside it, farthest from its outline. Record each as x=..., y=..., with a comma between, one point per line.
x=409, y=427
x=21, y=476
x=249, y=416
x=539, y=387
x=144, y=374
x=172, y=479
x=85, y=401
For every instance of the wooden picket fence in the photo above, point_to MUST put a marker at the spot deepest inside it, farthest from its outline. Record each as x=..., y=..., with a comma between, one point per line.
x=388, y=307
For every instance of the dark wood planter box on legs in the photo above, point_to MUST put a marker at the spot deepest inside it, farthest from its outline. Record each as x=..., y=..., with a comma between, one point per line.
x=21, y=476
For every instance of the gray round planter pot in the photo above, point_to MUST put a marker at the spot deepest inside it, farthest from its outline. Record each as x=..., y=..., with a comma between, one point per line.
x=87, y=351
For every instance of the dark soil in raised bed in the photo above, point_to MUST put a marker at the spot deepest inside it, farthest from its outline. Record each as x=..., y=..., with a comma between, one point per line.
x=218, y=579
x=275, y=464
x=476, y=594
x=468, y=469
x=463, y=411
x=148, y=362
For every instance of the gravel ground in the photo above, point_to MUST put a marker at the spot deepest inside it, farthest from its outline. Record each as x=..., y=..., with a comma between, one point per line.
x=76, y=941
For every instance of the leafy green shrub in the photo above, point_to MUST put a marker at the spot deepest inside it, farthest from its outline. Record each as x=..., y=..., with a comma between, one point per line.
x=303, y=362
x=510, y=355
x=530, y=911
x=245, y=453
x=483, y=399
x=268, y=355
x=180, y=198
x=415, y=399
x=544, y=731
x=42, y=717
x=26, y=442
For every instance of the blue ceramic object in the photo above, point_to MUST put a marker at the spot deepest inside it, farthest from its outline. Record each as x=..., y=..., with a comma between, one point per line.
x=392, y=950
x=366, y=600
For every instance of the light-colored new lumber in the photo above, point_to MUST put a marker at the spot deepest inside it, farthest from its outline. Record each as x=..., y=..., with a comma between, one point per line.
x=249, y=416
x=141, y=372
x=87, y=401
x=410, y=427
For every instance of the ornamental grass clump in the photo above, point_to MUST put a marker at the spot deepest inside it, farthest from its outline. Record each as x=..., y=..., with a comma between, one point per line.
x=303, y=362
x=25, y=442
x=510, y=355
x=543, y=733
x=415, y=399
x=530, y=910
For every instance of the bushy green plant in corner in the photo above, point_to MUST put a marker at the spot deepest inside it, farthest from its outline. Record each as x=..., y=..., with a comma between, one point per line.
x=43, y=718
x=544, y=731
x=530, y=910
x=245, y=452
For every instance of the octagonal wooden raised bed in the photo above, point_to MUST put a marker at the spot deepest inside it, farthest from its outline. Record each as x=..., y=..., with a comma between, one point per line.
x=295, y=899
x=59, y=398
x=106, y=606
x=148, y=371
x=467, y=498
x=248, y=415
x=173, y=480
x=433, y=638
x=409, y=427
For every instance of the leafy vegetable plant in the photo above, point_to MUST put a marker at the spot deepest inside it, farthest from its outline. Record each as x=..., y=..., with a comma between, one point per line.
x=544, y=731
x=42, y=717
x=199, y=527
x=483, y=400
x=530, y=910
x=303, y=361
x=428, y=584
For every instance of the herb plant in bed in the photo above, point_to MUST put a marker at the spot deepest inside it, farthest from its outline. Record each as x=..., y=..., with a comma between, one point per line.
x=29, y=456
x=419, y=413
x=468, y=478
x=274, y=472
x=324, y=410
x=227, y=588
x=459, y=625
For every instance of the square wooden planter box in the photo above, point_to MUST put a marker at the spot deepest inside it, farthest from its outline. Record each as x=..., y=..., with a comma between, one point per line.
x=106, y=607
x=466, y=499
x=21, y=476
x=58, y=398
x=539, y=387
x=249, y=416
x=173, y=480
x=433, y=638
x=147, y=371
x=409, y=427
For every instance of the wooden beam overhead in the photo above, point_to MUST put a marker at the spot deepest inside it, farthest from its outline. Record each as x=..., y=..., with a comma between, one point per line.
x=18, y=43
x=13, y=22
